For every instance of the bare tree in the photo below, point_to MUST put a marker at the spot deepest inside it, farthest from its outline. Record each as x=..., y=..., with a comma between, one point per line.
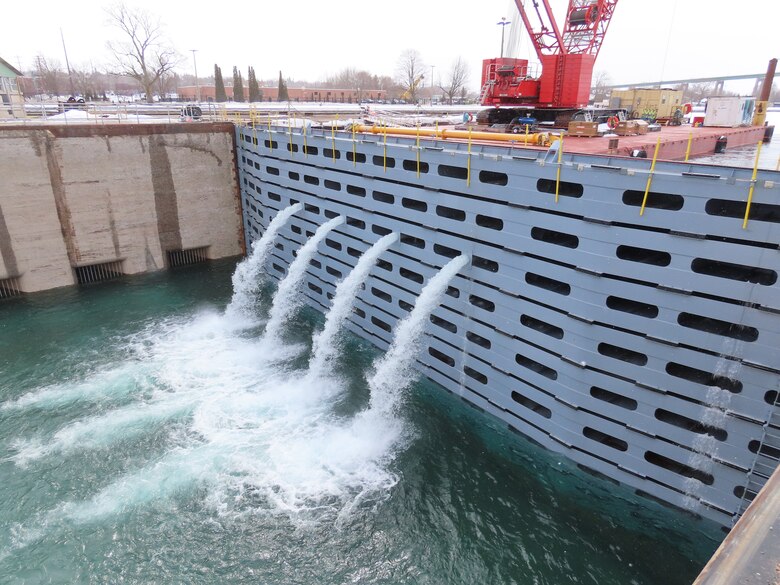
x=457, y=78
x=410, y=73
x=142, y=53
x=50, y=75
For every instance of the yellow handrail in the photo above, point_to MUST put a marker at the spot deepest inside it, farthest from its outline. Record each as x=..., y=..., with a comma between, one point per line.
x=650, y=177
x=752, y=186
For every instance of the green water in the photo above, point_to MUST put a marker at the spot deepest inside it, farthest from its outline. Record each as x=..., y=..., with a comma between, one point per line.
x=145, y=439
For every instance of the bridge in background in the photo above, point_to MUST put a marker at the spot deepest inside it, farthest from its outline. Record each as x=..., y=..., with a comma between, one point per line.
x=719, y=81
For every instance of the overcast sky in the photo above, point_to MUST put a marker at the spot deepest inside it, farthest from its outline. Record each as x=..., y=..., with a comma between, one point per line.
x=647, y=39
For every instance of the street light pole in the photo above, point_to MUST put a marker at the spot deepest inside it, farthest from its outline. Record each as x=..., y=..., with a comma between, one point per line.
x=503, y=24
x=432, y=66
x=197, y=82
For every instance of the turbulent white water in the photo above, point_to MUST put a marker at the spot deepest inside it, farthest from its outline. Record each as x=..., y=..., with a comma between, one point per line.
x=287, y=298
x=393, y=372
x=246, y=278
x=325, y=343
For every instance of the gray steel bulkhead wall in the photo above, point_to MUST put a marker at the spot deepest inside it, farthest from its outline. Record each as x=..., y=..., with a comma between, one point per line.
x=644, y=347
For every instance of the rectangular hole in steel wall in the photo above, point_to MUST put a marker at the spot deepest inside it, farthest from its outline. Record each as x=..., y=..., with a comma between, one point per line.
x=332, y=244
x=311, y=208
x=332, y=185
x=484, y=264
x=453, y=172
x=718, y=327
x=293, y=175
x=412, y=241
x=274, y=196
x=279, y=246
x=668, y=201
x=493, y=178
x=554, y=237
x=380, y=230
x=278, y=268
x=329, y=153
x=678, y=468
x=736, y=209
x=565, y=189
x=271, y=144
x=330, y=214
x=292, y=147
x=355, y=190
x=272, y=170
x=359, y=312
x=452, y=292
x=354, y=252
x=316, y=263
x=414, y=204
x=333, y=272
x=411, y=275
x=732, y=271
x=541, y=326
x=478, y=376
x=381, y=324
x=405, y=306
x=478, y=340
x=689, y=424
x=311, y=150
x=632, y=307
x=443, y=323
x=605, y=439
x=613, y=398
x=450, y=213
x=482, y=303
x=311, y=180
x=445, y=251
x=442, y=357
x=643, y=255
x=384, y=265
x=535, y=366
x=314, y=287
x=531, y=405
x=380, y=294
x=411, y=165
x=547, y=283
x=383, y=197
x=702, y=377
x=356, y=157
x=493, y=223
x=623, y=354
x=358, y=223
x=382, y=161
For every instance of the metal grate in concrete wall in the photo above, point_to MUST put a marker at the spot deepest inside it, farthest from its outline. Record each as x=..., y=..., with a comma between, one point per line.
x=101, y=272
x=9, y=287
x=187, y=257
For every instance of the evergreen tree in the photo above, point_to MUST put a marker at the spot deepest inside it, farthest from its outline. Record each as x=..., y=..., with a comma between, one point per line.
x=255, y=95
x=238, y=85
x=283, y=95
x=219, y=85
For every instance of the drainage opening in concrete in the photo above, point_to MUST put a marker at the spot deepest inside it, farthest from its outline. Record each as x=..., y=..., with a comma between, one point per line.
x=98, y=272
x=187, y=257
x=9, y=287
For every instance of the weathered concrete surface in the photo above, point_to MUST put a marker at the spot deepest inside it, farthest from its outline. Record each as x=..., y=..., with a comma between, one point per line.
x=750, y=554
x=79, y=195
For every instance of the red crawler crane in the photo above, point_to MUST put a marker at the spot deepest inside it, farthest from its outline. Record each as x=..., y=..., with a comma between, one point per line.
x=567, y=58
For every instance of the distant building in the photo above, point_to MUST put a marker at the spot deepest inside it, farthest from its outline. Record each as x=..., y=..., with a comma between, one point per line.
x=297, y=94
x=11, y=98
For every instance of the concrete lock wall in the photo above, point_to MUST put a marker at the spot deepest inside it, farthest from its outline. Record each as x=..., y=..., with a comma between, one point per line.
x=81, y=195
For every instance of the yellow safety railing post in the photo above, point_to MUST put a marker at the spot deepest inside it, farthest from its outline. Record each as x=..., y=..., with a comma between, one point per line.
x=777, y=166
x=468, y=163
x=418, y=150
x=527, y=126
x=254, y=132
x=354, y=147
x=688, y=150
x=305, y=144
x=384, y=158
x=289, y=129
x=650, y=177
x=270, y=138
x=436, y=136
x=333, y=137
x=558, y=174
x=752, y=187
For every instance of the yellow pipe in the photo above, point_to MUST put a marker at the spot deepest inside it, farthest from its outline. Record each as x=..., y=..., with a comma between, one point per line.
x=650, y=176
x=447, y=133
x=752, y=187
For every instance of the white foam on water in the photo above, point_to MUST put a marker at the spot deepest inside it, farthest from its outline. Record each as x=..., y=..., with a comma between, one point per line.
x=325, y=343
x=246, y=278
x=287, y=298
x=393, y=372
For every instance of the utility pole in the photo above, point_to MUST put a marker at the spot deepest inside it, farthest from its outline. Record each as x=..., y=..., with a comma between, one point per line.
x=197, y=82
x=432, y=66
x=503, y=24
x=67, y=64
